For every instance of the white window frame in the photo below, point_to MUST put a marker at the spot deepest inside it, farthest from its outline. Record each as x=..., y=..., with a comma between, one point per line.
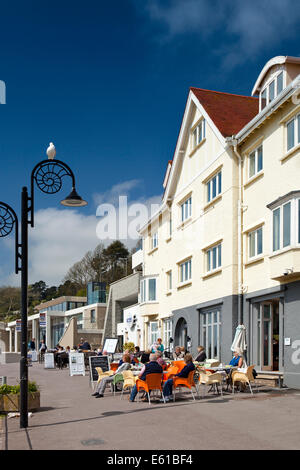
x=294, y=224
x=209, y=186
x=206, y=339
x=255, y=153
x=185, y=271
x=296, y=121
x=255, y=234
x=266, y=88
x=169, y=280
x=153, y=333
x=154, y=241
x=145, y=291
x=198, y=134
x=186, y=209
x=168, y=332
x=93, y=317
x=209, y=258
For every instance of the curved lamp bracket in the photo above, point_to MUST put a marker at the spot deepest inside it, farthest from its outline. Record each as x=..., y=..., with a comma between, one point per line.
x=48, y=176
x=9, y=221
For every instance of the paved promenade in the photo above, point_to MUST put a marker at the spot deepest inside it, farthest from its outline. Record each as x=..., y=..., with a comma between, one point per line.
x=70, y=418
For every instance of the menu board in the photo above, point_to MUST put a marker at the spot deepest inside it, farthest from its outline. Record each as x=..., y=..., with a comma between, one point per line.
x=49, y=360
x=76, y=364
x=110, y=345
x=98, y=361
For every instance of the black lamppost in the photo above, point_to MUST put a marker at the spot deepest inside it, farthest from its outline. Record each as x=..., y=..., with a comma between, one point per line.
x=48, y=176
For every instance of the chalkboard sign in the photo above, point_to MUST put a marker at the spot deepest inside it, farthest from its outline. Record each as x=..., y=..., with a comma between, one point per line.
x=98, y=361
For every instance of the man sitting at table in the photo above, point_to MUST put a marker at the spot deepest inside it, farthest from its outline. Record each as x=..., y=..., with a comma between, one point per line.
x=168, y=387
x=151, y=367
x=178, y=355
x=102, y=384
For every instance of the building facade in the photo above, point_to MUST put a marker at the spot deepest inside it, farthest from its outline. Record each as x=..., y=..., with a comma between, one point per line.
x=224, y=247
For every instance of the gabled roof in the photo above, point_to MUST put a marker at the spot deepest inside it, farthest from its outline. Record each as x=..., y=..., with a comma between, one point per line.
x=230, y=113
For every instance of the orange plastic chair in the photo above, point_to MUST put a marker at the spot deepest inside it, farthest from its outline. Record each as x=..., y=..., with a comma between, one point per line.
x=179, y=364
x=152, y=382
x=170, y=372
x=182, y=382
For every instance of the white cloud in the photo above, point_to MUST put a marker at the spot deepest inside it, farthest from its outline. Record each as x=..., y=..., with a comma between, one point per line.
x=112, y=195
x=62, y=237
x=250, y=27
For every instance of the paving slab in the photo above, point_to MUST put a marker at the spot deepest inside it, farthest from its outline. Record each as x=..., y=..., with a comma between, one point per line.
x=71, y=419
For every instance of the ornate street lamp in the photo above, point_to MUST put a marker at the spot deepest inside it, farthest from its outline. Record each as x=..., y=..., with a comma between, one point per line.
x=48, y=176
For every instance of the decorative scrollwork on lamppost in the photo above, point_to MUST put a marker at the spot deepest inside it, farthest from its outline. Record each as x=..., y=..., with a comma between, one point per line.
x=48, y=176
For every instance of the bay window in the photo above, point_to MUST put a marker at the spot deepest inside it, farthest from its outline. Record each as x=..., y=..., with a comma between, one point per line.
x=148, y=290
x=283, y=235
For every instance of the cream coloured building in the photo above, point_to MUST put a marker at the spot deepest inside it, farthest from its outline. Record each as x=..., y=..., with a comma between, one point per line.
x=224, y=247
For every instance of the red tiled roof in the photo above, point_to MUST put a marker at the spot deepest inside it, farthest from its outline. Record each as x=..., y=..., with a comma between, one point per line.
x=230, y=113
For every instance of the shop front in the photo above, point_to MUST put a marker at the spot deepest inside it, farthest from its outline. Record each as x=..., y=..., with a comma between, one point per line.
x=272, y=320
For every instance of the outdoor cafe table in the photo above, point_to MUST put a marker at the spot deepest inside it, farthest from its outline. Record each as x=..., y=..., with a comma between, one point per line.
x=224, y=370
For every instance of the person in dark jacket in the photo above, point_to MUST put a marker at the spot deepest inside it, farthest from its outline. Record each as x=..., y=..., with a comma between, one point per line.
x=151, y=367
x=201, y=357
x=168, y=387
x=145, y=356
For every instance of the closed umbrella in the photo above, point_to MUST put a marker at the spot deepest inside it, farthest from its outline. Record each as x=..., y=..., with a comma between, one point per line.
x=239, y=341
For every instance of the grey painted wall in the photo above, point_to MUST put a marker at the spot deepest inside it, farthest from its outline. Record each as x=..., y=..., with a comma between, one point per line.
x=228, y=307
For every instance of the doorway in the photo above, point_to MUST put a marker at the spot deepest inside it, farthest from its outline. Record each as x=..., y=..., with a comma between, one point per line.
x=181, y=333
x=268, y=335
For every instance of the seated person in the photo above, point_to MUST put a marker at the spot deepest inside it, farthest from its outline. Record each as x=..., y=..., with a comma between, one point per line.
x=152, y=367
x=178, y=355
x=168, y=387
x=132, y=359
x=102, y=384
x=137, y=352
x=201, y=357
x=237, y=360
x=84, y=345
x=160, y=359
x=145, y=356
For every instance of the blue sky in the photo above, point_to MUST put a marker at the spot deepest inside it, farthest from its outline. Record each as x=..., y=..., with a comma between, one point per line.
x=107, y=82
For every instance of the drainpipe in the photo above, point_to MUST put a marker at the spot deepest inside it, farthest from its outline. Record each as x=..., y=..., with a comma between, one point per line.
x=233, y=142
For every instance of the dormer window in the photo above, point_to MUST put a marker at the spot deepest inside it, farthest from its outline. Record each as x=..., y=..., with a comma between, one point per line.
x=271, y=90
